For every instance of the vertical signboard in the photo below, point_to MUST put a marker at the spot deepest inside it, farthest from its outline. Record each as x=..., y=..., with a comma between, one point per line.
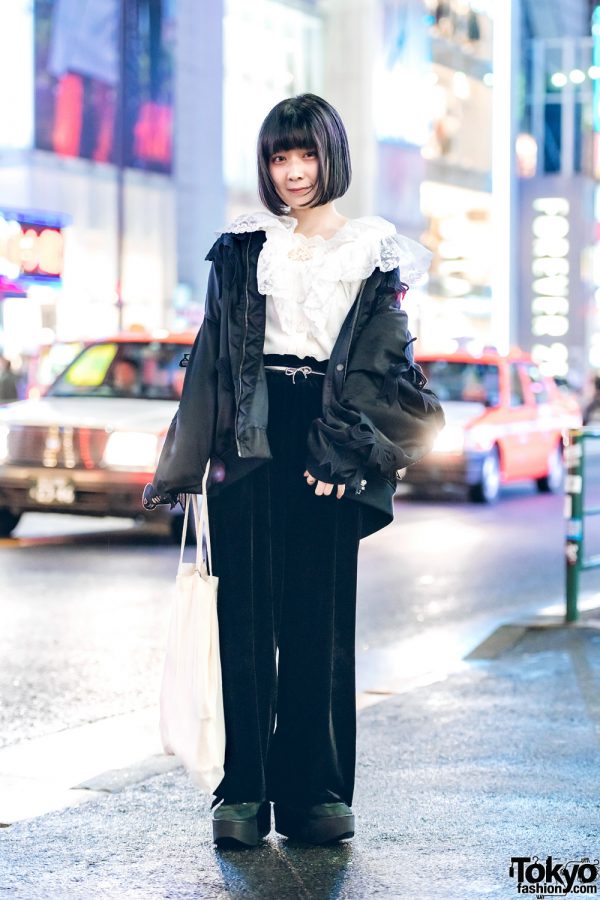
x=550, y=284
x=555, y=276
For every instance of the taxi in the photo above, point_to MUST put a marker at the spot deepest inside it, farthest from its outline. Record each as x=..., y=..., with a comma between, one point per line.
x=91, y=442
x=505, y=422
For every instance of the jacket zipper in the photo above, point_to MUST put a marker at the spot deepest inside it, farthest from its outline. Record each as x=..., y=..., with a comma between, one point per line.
x=237, y=413
x=363, y=483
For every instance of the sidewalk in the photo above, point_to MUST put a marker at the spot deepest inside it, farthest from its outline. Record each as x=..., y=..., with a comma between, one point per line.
x=501, y=759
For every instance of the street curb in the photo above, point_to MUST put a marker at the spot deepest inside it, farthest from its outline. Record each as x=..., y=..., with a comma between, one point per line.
x=506, y=637
x=115, y=780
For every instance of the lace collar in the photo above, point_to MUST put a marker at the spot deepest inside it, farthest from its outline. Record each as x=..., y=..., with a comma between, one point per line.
x=359, y=247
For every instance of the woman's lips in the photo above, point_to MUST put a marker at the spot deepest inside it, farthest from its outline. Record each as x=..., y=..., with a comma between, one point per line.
x=297, y=190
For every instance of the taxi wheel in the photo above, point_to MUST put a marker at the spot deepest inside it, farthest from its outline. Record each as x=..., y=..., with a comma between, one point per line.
x=487, y=489
x=8, y=522
x=552, y=482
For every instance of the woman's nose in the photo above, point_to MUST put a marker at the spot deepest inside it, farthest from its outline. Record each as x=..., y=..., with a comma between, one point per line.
x=295, y=171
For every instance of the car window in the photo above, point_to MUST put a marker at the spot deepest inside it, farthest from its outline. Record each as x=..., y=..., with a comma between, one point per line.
x=538, y=387
x=517, y=397
x=149, y=371
x=463, y=381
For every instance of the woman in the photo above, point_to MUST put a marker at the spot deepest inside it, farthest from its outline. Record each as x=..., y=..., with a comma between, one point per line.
x=302, y=390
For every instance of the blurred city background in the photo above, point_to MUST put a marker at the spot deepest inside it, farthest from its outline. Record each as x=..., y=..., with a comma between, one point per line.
x=128, y=134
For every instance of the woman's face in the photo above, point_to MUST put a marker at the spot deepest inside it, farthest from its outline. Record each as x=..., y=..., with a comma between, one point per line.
x=294, y=174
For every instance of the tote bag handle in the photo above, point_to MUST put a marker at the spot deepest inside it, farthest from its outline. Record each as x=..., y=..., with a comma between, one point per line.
x=202, y=527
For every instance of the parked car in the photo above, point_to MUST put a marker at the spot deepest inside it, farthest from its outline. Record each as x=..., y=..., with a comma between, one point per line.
x=92, y=441
x=504, y=422
x=51, y=360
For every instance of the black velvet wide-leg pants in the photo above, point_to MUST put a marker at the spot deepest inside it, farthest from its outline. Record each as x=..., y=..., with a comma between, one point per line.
x=286, y=561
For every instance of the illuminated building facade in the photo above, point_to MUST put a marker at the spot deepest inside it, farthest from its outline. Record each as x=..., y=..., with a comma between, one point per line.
x=87, y=199
x=559, y=318
x=430, y=105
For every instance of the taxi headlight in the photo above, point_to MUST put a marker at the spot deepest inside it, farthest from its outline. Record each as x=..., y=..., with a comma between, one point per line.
x=480, y=438
x=4, y=432
x=131, y=450
x=451, y=439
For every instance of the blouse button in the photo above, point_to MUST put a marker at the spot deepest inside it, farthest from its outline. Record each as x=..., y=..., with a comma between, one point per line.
x=339, y=367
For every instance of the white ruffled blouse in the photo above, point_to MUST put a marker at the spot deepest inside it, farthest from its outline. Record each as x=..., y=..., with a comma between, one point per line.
x=310, y=283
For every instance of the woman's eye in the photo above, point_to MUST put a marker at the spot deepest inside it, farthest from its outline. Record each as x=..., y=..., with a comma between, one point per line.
x=311, y=153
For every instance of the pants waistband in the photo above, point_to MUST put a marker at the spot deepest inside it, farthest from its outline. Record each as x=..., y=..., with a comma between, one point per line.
x=286, y=364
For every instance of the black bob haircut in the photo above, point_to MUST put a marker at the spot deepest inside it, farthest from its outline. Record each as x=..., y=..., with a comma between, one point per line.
x=310, y=123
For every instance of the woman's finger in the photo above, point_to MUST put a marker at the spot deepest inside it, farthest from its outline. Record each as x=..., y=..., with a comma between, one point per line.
x=340, y=490
x=309, y=478
x=328, y=489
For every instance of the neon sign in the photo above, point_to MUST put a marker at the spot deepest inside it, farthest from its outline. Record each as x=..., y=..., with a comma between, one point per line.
x=30, y=249
x=550, y=284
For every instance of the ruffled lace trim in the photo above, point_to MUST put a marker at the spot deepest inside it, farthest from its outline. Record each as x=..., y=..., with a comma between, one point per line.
x=296, y=270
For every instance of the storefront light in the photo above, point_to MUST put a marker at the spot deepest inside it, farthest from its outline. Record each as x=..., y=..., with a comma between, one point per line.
x=594, y=72
x=577, y=76
x=455, y=286
x=547, y=265
x=453, y=227
x=552, y=359
x=553, y=306
x=461, y=86
x=594, y=357
x=554, y=326
x=527, y=155
x=550, y=226
x=558, y=80
x=16, y=74
x=552, y=285
x=550, y=282
x=551, y=247
x=450, y=250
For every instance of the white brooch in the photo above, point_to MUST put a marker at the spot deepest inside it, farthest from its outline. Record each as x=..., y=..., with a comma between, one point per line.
x=301, y=252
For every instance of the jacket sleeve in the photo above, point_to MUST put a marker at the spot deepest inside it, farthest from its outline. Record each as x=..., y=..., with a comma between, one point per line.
x=190, y=438
x=385, y=418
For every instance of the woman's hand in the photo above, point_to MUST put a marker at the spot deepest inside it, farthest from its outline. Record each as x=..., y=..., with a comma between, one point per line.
x=324, y=488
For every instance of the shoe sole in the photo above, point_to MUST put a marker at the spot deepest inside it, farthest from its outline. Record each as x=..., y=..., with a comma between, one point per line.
x=314, y=831
x=232, y=834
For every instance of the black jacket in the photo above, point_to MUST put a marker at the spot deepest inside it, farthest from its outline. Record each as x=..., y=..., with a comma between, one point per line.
x=377, y=414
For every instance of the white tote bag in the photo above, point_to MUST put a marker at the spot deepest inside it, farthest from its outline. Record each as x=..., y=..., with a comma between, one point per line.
x=192, y=723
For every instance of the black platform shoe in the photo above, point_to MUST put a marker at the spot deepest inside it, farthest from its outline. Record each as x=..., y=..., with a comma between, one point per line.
x=241, y=824
x=320, y=824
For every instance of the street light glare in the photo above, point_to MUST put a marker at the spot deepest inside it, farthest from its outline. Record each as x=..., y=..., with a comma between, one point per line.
x=594, y=72
x=577, y=76
x=559, y=79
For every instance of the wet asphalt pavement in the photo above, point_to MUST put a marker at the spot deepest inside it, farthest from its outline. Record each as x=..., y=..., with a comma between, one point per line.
x=84, y=617
x=453, y=780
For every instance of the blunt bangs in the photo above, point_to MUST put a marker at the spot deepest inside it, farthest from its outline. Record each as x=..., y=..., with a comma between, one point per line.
x=305, y=122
